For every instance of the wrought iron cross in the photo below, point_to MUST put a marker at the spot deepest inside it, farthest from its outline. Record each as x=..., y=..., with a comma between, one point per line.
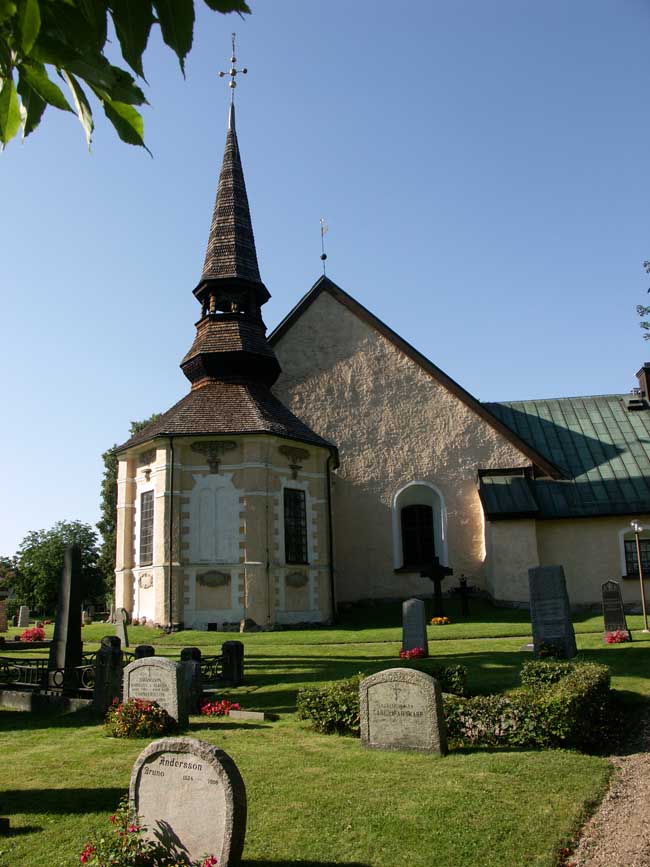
x=232, y=72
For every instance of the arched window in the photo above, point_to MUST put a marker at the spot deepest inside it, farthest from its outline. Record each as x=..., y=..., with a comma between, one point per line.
x=418, y=545
x=419, y=527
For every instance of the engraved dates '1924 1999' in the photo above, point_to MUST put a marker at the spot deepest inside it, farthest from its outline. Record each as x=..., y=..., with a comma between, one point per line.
x=190, y=796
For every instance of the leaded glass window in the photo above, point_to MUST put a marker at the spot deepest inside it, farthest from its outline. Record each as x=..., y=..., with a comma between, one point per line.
x=146, y=528
x=631, y=559
x=295, y=526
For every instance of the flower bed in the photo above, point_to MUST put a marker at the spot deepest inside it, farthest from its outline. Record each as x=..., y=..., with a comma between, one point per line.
x=414, y=653
x=138, y=718
x=36, y=633
x=221, y=707
x=440, y=621
x=619, y=636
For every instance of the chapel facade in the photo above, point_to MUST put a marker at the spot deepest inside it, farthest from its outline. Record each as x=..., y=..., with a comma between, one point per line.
x=223, y=501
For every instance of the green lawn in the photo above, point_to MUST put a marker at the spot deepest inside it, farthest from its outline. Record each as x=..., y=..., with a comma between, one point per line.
x=319, y=800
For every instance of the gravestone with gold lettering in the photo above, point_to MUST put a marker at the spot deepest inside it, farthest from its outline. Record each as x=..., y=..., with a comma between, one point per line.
x=191, y=797
x=160, y=680
x=401, y=709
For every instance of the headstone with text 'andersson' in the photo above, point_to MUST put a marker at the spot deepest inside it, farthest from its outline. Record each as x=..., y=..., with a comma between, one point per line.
x=190, y=796
x=160, y=680
x=401, y=709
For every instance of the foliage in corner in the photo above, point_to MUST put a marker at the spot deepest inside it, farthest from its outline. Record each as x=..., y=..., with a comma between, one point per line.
x=642, y=310
x=43, y=39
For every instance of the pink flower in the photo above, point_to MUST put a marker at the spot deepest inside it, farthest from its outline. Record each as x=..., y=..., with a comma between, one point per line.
x=210, y=861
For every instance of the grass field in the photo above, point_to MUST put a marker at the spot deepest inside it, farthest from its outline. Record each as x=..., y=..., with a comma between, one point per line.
x=319, y=800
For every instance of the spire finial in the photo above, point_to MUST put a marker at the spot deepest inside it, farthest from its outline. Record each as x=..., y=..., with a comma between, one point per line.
x=233, y=72
x=323, y=231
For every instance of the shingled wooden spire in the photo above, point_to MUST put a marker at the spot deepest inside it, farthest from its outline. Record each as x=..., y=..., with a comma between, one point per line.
x=231, y=258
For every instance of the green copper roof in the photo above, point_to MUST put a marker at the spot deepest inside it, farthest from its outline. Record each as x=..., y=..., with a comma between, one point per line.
x=602, y=446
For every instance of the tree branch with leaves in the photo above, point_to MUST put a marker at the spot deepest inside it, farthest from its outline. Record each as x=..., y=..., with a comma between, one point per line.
x=68, y=38
x=642, y=310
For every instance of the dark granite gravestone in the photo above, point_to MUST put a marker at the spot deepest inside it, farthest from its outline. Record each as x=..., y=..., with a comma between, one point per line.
x=66, y=647
x=550, y=611
x=3, y=616
x=121, y=619
x=232, y=662
x=191, y=662
x=613, y=611
x=159, y=680
x=414, y=625
x=108, y=673
x=142, y=651
x=191, y=797
x=401, y=709
x=437, y=573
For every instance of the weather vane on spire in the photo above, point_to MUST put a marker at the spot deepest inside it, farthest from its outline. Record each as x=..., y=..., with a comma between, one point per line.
x=323, y=231
x=232, y=72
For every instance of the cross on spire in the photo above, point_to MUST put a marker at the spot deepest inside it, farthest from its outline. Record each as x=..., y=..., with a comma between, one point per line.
x=233, y=72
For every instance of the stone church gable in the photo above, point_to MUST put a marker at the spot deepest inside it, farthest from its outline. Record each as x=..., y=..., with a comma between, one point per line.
x=396, y=424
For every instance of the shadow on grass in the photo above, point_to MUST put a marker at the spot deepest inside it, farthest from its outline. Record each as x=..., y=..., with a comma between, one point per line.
x=217, y=725
x=60, y=801
x=311, y=863
x=18, y=832
x=22, y=720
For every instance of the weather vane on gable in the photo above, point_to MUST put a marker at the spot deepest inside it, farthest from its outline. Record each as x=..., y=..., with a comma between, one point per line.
x=323, y=231
x=232, y=72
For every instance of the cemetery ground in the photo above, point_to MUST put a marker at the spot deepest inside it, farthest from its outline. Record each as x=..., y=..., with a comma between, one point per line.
x=323, y=800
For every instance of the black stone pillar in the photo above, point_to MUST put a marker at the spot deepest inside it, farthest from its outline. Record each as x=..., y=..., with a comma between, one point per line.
x=191, y=662
x=232, y=662
x=66, y=647
x=108, y=673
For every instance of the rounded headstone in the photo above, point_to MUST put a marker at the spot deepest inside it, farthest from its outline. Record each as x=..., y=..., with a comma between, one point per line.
x=142, y=651
x=190, y=795
x=160, y=680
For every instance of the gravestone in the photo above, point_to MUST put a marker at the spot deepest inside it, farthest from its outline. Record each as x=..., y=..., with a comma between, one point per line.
x=613, y=611
x=3, y=616
x=159, y=680
x=142, y=651
x=121, y=619
x=23, y=617
x=550, y=611
x=66, y=647
x=191, y=662
x=191, y=797
x=401, y=709
x=232, y=662
x=414, y=625
x=108, y=673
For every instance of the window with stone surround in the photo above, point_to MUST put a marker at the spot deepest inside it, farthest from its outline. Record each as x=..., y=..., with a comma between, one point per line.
x=295, y=526
x=146, y=529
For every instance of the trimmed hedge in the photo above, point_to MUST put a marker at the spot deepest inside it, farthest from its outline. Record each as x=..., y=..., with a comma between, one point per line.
x=561, y=704
x=334, y=709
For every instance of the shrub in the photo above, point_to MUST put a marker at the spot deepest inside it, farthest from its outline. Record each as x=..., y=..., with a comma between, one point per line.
x=138, y=718
x=36, y=633
x=128, y=847
x=220, y=707
x=334, y=709
x=562, y=704
x=542, y=672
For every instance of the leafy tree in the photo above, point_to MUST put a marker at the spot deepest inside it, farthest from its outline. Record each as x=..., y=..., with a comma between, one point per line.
x=8, y=572
x=107, y=524
x=69, y=37
x=40, y=559
x=642, y=310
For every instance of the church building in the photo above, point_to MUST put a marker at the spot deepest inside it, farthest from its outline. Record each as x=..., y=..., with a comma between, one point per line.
x=332, y=462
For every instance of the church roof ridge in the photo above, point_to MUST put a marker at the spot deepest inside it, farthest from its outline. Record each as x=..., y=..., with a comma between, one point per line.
x=325, y=284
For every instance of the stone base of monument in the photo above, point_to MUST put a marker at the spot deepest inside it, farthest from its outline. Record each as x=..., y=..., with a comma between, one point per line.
x=41, y=701
x=528, y=648
x=255, y=715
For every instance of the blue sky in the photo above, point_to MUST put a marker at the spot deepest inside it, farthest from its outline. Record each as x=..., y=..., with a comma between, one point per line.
x=483, y=168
